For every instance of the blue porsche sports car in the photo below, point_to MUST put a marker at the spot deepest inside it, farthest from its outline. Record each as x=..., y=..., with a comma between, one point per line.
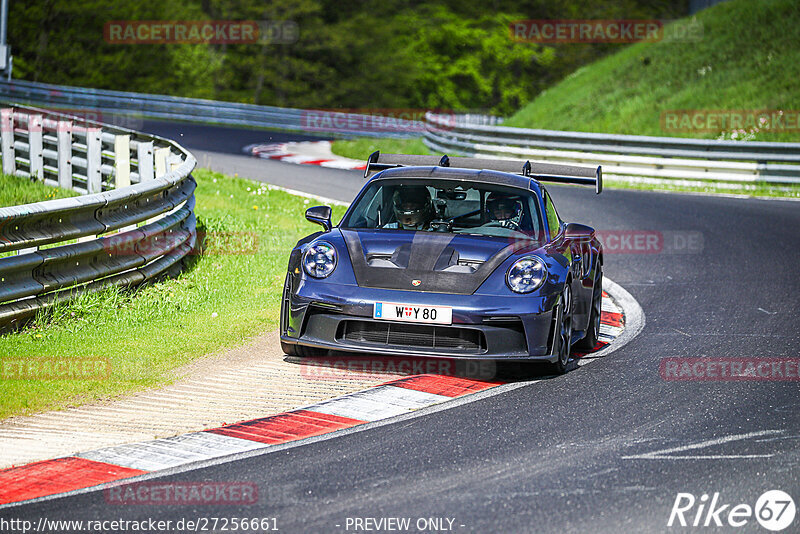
x=448, y=257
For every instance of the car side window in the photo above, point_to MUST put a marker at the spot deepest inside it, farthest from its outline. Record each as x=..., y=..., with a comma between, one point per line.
x=377, y=212
x=553, y=222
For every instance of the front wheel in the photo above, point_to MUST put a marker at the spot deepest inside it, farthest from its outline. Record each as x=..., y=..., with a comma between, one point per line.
x=302, y=351
x=563, y=332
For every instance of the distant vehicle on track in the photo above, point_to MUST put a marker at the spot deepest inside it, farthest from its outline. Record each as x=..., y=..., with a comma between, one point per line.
x=448, y=257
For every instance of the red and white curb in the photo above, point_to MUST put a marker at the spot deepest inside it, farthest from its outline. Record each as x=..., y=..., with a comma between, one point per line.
x=380, y=404
x=612, y=321
x=305, y=153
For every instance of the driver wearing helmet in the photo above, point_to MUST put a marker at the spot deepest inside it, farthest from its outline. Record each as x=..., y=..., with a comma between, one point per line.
x=504, y=210
x=413, y=208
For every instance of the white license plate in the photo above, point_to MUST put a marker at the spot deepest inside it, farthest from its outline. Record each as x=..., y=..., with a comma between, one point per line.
x=411, y=313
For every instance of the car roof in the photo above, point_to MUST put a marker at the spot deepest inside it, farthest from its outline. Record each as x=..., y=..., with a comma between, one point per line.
x=423, y=173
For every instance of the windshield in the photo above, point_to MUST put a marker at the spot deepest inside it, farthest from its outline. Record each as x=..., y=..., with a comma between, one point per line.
x=456, y=206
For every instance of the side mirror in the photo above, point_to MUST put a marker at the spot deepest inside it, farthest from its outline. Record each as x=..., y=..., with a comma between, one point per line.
x=578, y=231
x=320, y=215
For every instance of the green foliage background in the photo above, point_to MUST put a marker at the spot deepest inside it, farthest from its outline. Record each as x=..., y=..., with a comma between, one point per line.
x=446, y=54
x=748, y=59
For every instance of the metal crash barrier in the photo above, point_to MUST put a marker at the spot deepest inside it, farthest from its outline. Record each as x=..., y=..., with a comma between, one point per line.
x=134, y=220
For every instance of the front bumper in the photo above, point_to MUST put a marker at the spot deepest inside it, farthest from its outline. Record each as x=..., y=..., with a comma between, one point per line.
x=339, y=317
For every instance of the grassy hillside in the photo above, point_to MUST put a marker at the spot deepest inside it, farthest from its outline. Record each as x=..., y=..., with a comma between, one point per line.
x=747, y=59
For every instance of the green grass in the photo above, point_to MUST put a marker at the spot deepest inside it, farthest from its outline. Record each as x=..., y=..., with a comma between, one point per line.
x=747, y=59
x=712, y=188
x=15, y=191
x=222, y=300
x=360, y=148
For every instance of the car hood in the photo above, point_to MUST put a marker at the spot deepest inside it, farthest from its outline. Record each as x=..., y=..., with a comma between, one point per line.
x=427, y=261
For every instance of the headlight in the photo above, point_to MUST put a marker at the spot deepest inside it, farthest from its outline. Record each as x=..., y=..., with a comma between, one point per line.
x=526, y=275
x=319, y=259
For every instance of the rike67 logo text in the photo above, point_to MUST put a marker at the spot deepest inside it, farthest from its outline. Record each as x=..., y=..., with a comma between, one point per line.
x=774, y=510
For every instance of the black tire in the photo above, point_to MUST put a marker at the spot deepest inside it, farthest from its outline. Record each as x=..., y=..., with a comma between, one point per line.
x=589, y=342
x=302, y=351
x=563, y=332
x=289, y=349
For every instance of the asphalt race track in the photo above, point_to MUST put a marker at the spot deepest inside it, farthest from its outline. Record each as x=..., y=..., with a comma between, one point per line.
x=605, y=448
x=228, y=139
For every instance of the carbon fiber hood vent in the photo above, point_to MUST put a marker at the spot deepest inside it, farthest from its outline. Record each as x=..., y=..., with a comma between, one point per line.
x=440, y=262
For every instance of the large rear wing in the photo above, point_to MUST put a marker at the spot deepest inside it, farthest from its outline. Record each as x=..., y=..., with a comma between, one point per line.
x=545, y=172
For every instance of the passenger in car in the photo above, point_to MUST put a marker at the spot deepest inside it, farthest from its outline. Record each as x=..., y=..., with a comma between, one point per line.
x=413, y=208
x=504, y=210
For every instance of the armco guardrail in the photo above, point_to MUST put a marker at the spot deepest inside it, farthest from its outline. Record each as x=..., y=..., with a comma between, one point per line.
x=122, y=103
x=629, y=157
x=129, y=179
